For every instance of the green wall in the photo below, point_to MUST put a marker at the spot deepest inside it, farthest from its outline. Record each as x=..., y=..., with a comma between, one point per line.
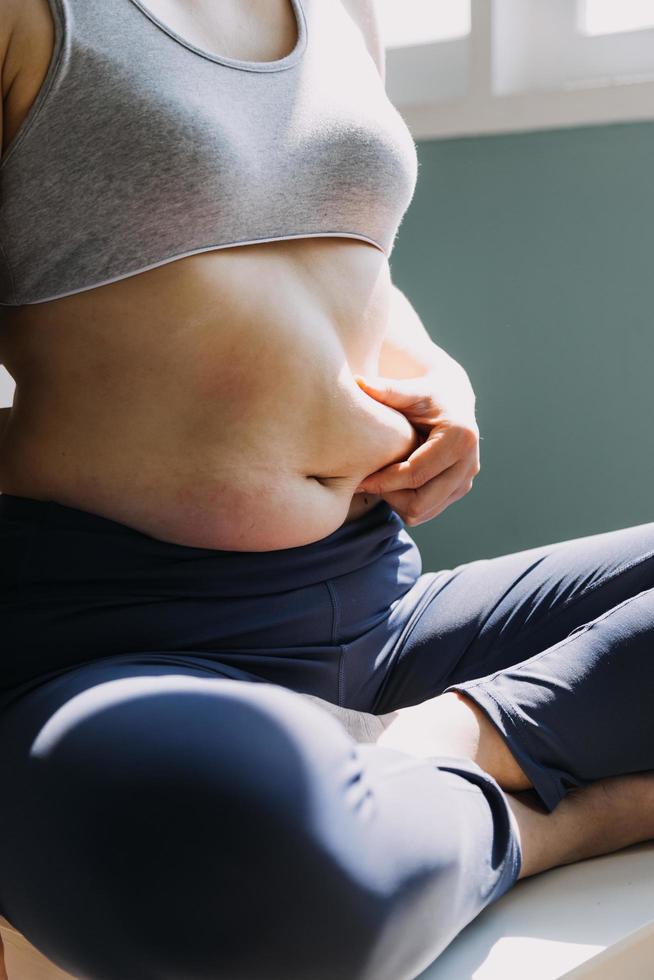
x=530, y=259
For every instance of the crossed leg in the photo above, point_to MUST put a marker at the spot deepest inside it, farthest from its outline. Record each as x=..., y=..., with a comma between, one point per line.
x=606, y=816
x=599, y=818
x=552, y=647
x=540, y=669
x=141, y=796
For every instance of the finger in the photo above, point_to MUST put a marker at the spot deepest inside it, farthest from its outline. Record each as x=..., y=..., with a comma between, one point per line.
x=417, y=506
x=408, y=395
x=458, y=494
x=430, y=460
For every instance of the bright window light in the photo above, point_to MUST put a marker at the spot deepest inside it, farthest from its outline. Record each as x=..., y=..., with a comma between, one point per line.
x=407, y=22
x=615, y=16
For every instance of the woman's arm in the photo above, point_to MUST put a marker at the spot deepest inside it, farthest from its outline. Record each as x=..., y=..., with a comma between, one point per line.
x=409, y=352
x=365, y=15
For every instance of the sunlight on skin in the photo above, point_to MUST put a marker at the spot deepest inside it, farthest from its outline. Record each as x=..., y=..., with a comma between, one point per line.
x=452, y=724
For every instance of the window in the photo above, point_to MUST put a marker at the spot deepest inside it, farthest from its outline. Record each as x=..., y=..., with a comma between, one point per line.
x=542, y=45
x=409, y=22
x=458, y=67
x=615, y=16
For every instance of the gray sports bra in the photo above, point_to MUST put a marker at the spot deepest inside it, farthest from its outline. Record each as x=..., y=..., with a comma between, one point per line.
x=142, y=148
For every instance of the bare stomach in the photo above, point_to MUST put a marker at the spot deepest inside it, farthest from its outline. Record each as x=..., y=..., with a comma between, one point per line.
x=211, y=401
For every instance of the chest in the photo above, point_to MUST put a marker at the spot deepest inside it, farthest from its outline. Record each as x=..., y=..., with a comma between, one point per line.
x=258, y=30
x=147, y=140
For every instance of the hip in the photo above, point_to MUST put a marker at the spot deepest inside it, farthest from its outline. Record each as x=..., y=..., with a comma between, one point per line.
x=76, y=587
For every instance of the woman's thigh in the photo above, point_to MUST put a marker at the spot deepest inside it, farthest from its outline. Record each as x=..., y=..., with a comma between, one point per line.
x=160, y=823
x=489, y=614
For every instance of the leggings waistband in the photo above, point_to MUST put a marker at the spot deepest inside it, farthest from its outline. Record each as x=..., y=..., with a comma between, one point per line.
x=52, y=542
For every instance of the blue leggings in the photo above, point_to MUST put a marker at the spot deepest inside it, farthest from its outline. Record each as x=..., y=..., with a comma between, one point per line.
x=173, y=810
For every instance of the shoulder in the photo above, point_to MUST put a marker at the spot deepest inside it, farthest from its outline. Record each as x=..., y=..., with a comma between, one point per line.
x=365, y=15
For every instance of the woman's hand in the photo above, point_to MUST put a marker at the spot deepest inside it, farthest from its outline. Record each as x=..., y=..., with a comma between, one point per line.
x=441, y=407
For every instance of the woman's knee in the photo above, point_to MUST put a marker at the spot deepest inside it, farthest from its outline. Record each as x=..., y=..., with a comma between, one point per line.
x=174, y=826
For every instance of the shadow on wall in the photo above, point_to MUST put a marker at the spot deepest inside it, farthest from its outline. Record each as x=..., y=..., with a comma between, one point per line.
x=528, y=257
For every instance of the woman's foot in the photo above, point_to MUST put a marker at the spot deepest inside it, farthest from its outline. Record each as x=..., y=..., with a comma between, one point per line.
x=603, y=817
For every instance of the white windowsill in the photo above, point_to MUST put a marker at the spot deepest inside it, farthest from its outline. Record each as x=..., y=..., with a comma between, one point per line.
x=464, y=103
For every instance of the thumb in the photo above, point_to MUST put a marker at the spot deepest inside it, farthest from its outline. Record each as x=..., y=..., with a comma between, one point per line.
x=403, y=394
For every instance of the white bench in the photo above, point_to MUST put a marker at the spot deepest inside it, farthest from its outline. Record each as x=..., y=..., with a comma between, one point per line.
x=592, y=920
x=589, y=921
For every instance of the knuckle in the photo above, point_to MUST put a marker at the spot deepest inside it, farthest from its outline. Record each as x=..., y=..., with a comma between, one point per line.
x=413, y=513
x=470, y=436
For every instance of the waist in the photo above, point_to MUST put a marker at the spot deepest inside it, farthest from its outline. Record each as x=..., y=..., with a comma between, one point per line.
x=48, y=547
x=76, y=588
x=211, y=403
x=194, y=472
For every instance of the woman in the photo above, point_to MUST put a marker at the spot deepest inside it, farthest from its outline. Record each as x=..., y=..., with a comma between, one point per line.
x=225, y=411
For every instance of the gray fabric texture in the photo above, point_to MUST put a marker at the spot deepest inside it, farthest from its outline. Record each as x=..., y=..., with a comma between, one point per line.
x=360, y=725
x=141, y=148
